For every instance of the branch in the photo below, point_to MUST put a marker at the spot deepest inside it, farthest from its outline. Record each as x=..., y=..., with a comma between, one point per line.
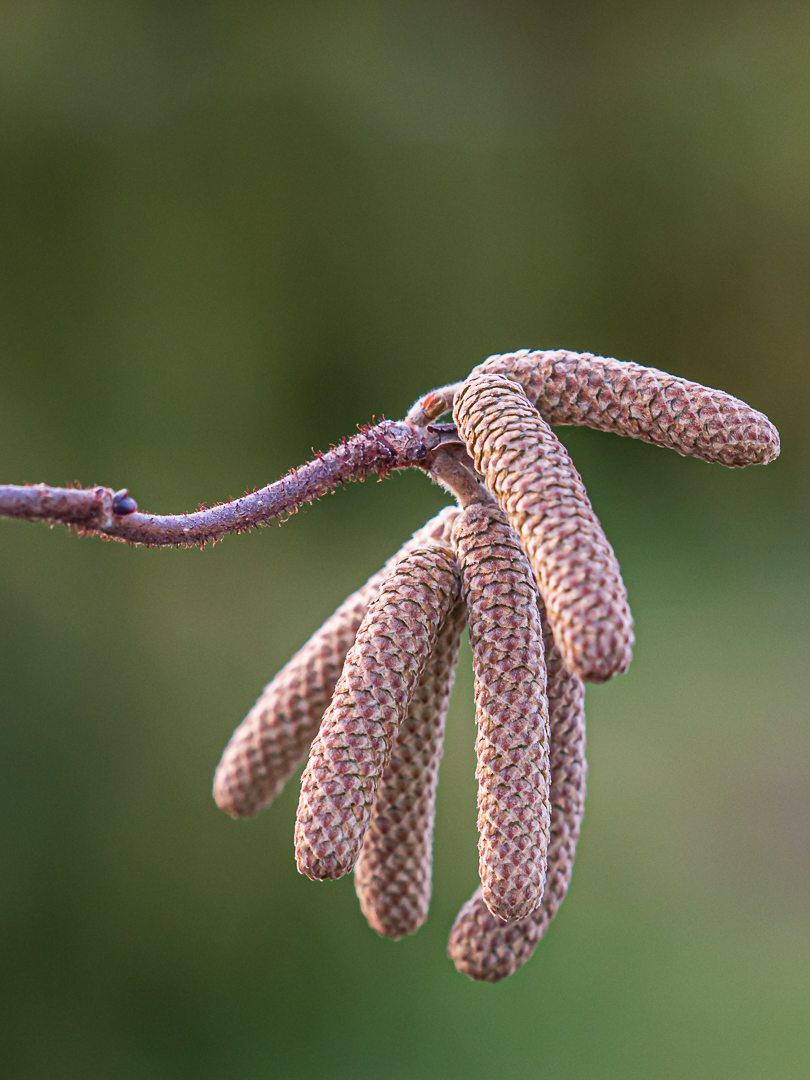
x=113, y=515
x=569, y=388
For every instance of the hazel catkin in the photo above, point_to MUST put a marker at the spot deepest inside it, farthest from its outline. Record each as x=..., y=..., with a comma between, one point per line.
x=511, y=711
x=535, y=482
x=392, y=876
x=274, y=738
x=350, y=753
x=642, y=403
x=483, y=946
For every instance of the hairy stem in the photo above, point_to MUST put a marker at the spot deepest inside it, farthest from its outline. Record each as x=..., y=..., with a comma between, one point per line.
x=112, y=514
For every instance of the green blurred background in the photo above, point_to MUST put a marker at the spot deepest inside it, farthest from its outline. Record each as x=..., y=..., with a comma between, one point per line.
x=231, y=232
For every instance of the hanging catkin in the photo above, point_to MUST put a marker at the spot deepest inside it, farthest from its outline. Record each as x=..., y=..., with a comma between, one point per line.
x=351, y=750
x=511, y=711
x=392, y=876
x=534, y=480
x=274, y=738
x=641, y=402
x=481, y=945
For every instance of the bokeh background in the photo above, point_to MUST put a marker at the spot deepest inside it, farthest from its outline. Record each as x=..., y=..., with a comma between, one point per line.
x=229, y=232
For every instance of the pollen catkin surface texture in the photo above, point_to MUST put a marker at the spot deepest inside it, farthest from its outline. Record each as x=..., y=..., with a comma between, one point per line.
x=274, y=738
x=511, y=711
x=351, y=750
x=392, y=877
x=641, y=402
x=535, y=482
x=481, y=945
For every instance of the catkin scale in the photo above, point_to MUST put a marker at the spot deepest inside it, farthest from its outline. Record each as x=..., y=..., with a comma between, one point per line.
x=535, y=482
x=642, y=403
x=511, y=711
x=392, y=876
x=350, y=753
x=274, y=738
x=481, y=945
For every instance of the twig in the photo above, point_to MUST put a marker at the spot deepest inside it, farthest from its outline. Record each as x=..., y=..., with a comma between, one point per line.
x=100, y=511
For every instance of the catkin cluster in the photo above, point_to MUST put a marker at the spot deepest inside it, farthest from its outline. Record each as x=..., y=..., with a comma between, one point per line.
x=522, y=562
